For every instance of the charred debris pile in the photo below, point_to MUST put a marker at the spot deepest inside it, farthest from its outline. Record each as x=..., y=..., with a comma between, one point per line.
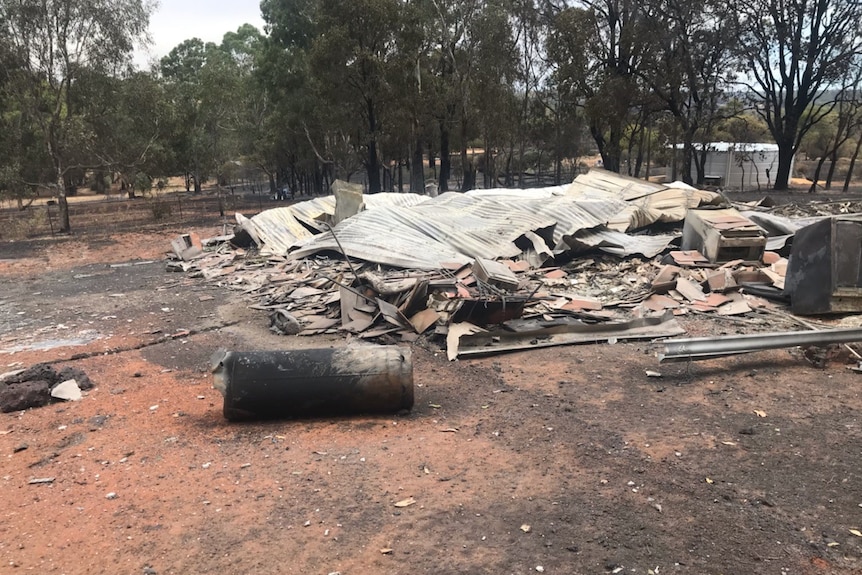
x=604, y=258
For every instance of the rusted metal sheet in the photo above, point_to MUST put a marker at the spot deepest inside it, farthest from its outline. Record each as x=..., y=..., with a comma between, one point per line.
x=310, y=382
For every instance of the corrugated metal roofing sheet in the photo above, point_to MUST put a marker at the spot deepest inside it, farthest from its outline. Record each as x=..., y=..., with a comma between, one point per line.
x=281, y=228
x=406, y=230
x=458, y=224
x=624, y=187
x=621, y=244
x=381, y=236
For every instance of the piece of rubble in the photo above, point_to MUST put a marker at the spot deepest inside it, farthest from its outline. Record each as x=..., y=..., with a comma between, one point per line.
x=531, y=334
x=496, y=274
x=688, y=258
x=660, y=303
x=690, y=290
x=283, y=323
x=723, y=235
x=582, y=303
x=24, y=395
x=825, y=271
x=187, y=246
x=348, y=200
x=734, y=308
x=721, y=281
x=424, y=319
x=665, y=279
x=67, y=390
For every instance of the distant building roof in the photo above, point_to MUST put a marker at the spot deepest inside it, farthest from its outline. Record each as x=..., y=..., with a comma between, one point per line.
x=737, y=146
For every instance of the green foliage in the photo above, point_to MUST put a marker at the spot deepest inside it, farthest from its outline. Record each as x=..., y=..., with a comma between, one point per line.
x=51, y=49
x=337, y=87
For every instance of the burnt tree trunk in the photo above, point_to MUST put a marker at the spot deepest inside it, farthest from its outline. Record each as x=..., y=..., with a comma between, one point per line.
x=372, y=166
x=417, y=169
x=445, y=158
x=852, y=166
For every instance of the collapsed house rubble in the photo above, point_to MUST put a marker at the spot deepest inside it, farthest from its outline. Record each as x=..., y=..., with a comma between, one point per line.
x=605, y=258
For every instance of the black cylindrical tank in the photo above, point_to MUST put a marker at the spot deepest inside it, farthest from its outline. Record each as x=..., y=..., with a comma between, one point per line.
x=309, y=382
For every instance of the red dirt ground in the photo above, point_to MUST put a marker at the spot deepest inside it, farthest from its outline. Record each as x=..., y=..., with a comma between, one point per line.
x=744, y=465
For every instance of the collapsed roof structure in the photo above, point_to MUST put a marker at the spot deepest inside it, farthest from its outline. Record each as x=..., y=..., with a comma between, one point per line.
x=418, y=232
x=502, y=269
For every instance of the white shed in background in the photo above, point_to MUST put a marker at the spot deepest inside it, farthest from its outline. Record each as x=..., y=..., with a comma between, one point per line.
x=739, y=166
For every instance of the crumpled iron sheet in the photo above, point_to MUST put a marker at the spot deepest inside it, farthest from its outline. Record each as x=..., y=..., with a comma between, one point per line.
x=279, y=229
x=471, y=340
x=458, y=228
x=380, y=236
x=274, y=230
x=648, y=202
x=414, y=231
x=620, y=244
x=624, y=187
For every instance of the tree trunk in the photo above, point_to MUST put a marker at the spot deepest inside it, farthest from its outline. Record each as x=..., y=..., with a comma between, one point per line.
x=648, y=154
x=62, y=202
x=467, y=168
x=486, y=166
x=639, y=159
x=445, y=158
x=833, y=159
x=785, y=158
x=432, y=162
x=609, y=148
x=674, y=159
x=817, y=171
x=373, y=165
x=558, y=152
x=522, y=151
x=417, y=169
x=852, y=166
x=687, y=160
x=65, y=225
x=613, y=149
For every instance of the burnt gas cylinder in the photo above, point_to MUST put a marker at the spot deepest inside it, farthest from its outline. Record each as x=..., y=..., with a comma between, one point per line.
x=313, y=382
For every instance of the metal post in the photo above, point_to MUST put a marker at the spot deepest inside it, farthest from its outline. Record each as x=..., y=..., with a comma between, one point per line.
x=712, y=347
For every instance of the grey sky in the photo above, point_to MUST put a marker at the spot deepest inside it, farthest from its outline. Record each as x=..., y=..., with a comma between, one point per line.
x=176, y=20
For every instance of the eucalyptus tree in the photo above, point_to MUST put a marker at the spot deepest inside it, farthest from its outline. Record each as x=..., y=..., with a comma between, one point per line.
x=349, y=63
x=847, y=124
x=597, y=50
x=689, y=69
x=129, y=120
x=794, y=52
x=203, y=86
x=332, y=58
x=52, y=43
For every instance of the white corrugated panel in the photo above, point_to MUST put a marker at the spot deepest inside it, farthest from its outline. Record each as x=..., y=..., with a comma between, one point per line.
x=379, y=236
x=281, y=228
x=406, y=230
x=457, y=224
x=621, y=244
